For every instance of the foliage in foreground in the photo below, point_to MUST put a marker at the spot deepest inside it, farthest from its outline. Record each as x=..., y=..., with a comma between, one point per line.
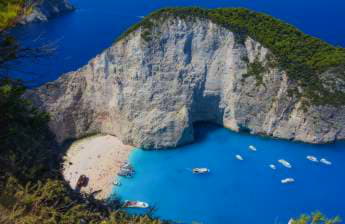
x=31, y=188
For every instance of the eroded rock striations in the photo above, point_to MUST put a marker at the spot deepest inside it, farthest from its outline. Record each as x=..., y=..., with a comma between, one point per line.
x=149, y=88
x=46, y=9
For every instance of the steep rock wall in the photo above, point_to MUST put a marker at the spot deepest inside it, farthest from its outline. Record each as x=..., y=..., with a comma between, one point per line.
x=149, y=92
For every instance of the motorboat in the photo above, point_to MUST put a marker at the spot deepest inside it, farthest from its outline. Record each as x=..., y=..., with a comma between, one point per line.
x=312, y=158
x=272, y=166
x=135, y=204
x=124, y=173
x=200, y=170
x=251, y=147
x=285, y=163
x=287, y=180
x=126, y=165
x=126, y=170
x=239, y=157
x=325, y=161
x=117, y=183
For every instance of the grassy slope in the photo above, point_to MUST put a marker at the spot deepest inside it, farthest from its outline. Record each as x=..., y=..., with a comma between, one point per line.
x=303, y=57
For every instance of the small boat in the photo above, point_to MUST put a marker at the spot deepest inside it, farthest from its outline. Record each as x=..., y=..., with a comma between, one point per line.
x=312, y=158
x=239, y=157
x=201, y=170
x=123, y=173
x=285, y=163
x=251, y=147
x=126, y=170
x=126, y=165
x=273, y=167
x=135, y=204
x=325, y=161
x=287, y=180
x=117, y=183
x=129, y=170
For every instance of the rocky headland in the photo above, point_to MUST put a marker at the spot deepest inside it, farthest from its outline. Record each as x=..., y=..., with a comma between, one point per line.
x=240, y=69
x=47, y=9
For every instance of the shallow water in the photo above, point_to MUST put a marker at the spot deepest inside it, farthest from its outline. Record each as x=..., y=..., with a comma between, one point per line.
x=240, y=192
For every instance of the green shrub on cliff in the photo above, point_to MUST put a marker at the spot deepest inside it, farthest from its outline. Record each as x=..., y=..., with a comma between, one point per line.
x=255, y=69
x=316, y=218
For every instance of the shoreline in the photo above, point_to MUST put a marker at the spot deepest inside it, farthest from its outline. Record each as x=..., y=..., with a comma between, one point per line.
x=99, y=158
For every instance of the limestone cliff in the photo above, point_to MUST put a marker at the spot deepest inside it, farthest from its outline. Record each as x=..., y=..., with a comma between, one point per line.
x=46, y=9
x=150, y=91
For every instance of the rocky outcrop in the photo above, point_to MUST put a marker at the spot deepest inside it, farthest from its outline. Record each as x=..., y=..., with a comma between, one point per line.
x=46, y=9
x=150, y=91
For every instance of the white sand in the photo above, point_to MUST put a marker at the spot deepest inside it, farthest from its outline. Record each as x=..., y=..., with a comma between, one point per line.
x=99, y=158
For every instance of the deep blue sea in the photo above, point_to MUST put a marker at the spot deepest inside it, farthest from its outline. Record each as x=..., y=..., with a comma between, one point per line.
x=94, y=26
x=238, y=192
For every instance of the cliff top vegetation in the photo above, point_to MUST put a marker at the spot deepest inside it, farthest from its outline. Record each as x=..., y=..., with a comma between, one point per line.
x=302, y=56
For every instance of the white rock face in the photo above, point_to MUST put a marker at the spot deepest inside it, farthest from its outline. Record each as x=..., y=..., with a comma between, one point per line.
x=47, y=9
x=149, y=93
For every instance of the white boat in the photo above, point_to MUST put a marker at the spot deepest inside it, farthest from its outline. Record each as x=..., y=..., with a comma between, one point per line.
x=239, y=157
x=126, y=165
x=325, y=161
x=287, y=180
x=273, y=167
x=201, y=170
x=291, y=221
x=285, y=163
x=117, y=183
x=125, y=173
x=251, y=147
x=312, y=158
x=135, y=204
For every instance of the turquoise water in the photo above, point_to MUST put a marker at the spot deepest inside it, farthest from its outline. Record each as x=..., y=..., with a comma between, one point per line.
x=236, y=191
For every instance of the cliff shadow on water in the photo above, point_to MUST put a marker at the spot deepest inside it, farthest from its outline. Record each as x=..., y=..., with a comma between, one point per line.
x=202, y=129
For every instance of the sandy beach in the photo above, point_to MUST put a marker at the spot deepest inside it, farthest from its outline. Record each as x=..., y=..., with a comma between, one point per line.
x=99, y=158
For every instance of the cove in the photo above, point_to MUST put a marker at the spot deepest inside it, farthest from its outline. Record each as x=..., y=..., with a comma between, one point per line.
x=236, y=191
